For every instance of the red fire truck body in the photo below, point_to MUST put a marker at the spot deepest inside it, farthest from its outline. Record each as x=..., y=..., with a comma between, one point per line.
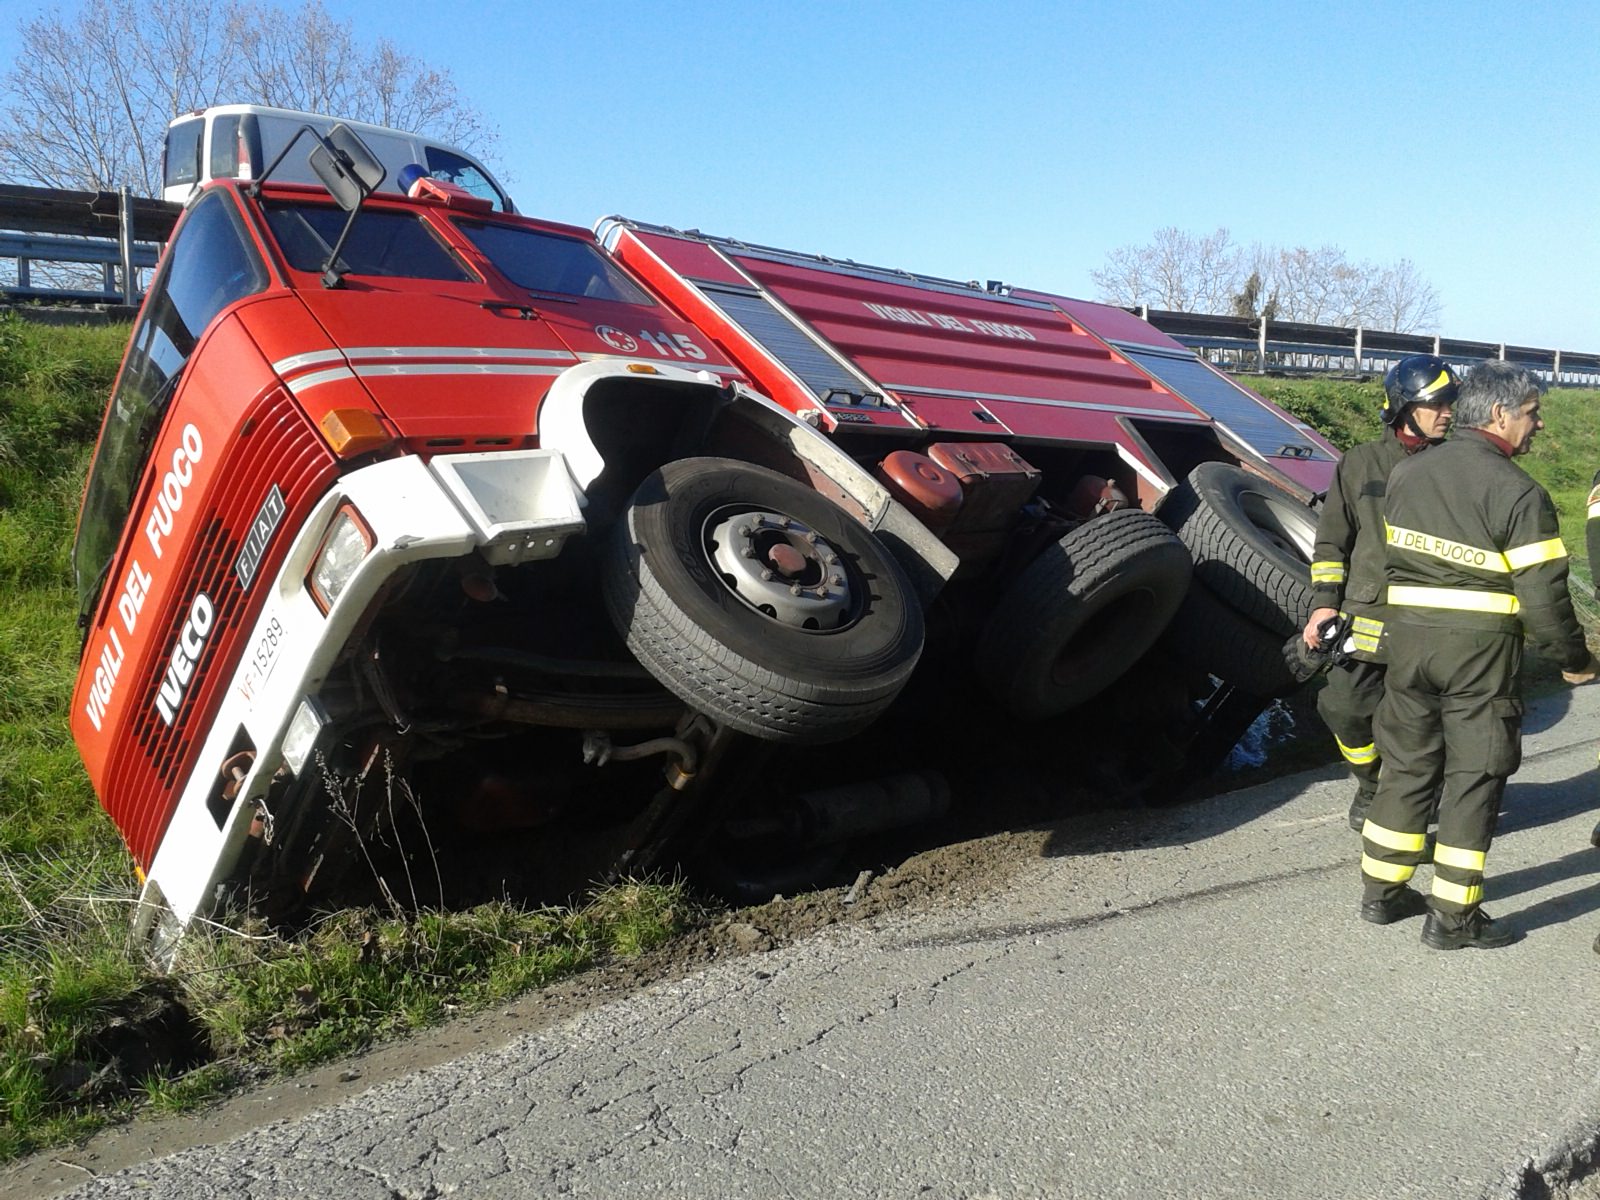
x=509, y=520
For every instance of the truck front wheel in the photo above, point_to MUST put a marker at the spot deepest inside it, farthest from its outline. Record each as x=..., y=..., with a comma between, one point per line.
x=759, y=602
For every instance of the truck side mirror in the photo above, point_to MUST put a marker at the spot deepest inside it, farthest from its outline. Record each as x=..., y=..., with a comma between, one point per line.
x=351, y=173
x=346, y=167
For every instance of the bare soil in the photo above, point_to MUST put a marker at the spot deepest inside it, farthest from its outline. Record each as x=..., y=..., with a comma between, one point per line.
x=1004, y=818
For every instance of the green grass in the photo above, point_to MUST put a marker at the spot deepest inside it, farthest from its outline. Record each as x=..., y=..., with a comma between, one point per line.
x=67, y=973
x=263, y=1004
x=1564, y=458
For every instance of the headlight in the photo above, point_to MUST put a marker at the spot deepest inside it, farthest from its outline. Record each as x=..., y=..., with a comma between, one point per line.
x=300, y=739
x=347, y=542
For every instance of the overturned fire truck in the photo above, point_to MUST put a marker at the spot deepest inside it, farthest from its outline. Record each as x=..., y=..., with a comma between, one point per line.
x=409, y=511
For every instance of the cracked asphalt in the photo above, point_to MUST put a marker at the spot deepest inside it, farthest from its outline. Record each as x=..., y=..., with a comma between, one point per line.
x=1171, y=1003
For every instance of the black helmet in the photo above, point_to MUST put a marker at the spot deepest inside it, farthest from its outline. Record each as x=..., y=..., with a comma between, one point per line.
x=1418, y=379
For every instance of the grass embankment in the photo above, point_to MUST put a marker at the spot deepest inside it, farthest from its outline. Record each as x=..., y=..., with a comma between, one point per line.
x=87, y=1033
x=1564, y=457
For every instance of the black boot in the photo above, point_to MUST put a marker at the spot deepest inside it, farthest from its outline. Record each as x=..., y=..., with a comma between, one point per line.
x=1399, y=904
x=1358, y=810
x=1594, y=836
x=1471, y=930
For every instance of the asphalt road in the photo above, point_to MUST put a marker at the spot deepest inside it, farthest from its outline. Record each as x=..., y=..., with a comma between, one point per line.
x=1177, y=1003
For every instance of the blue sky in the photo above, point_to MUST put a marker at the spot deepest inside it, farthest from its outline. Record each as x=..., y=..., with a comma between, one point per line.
x=1022, y=141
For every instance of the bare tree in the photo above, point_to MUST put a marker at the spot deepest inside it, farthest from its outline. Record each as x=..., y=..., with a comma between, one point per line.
x=1176, y=271
x=1405, y=301
x=1320, y=286
x=312, y=62
x=89, y=96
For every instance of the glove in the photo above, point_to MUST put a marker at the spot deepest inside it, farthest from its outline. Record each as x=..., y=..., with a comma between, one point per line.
x=1306, y=663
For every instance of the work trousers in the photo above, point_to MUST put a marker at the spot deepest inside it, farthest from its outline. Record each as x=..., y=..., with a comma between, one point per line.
x=1450, y=711
x=1347, y=703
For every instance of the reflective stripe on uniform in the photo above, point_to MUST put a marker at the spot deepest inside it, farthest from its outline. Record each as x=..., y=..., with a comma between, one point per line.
x=1388, y=872
x=1327, y=572
x=1360, y=755
x=1463, y=599
x=1535, y=553
x=1594, y=509
x=1443, y=548
x=1462, y=860
x=1393, y=839
x=1513, y=559
x=1366, y=632
x=1454, y=892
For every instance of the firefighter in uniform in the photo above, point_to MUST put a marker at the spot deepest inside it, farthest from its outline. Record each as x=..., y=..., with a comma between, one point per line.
x=1591, y=538
x=1347, y=567
x=1474, y=562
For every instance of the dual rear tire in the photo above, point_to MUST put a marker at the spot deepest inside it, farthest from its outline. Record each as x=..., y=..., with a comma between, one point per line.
x=761, y=603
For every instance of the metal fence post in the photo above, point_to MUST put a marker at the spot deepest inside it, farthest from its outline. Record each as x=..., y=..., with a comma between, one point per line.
x=130, y=286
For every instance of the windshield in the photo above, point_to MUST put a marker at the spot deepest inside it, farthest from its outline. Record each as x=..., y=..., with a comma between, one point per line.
x=381, y=242
x=453, y=168
x=210, y=265
x=552, y=263
x=182, y=158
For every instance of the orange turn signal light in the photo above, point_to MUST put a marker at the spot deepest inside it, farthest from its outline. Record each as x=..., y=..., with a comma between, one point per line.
x=353, y=431
x=643, y=369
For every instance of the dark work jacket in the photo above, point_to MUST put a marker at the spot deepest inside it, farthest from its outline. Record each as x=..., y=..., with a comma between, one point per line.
x=1469, y=533
x=1347, y=568
x=1591, y=532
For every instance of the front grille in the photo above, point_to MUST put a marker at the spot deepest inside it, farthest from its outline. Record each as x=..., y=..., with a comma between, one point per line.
x=151, y=763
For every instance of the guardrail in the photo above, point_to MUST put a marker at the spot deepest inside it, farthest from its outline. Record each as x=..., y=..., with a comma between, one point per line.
x=1257, y=344
x=122, y=234
x=119, y=233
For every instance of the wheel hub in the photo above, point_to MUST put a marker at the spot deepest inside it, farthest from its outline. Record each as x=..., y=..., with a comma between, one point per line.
x=780, y=567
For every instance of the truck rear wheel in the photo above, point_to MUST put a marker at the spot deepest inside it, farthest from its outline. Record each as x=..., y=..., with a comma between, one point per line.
x=759, y=602
x=1082, y=613
x=1211, y=634
x=1251, y=541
